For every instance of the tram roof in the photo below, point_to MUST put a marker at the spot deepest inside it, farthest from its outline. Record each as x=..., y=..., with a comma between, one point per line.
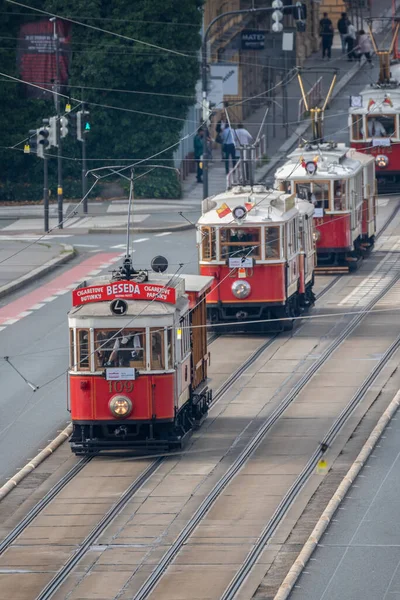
x=268, y=206
x=373, y=101
x=334, y=163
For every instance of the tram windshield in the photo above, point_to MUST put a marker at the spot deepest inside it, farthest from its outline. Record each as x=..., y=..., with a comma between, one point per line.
x=115, y=348
x=356, y=127
x=316, y=192
x=208, y=243
x=381, y=126
x=272, y=243
x=339, y=195
x=240, y=241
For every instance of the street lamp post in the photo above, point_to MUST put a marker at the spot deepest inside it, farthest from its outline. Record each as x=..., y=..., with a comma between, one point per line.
x=248, y=11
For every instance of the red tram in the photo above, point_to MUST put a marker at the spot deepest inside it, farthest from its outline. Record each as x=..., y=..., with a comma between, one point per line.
x=138, y=375
x=258, y=246
x=340, y=183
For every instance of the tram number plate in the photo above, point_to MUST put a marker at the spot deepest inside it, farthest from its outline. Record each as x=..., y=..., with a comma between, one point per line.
x=120, y=386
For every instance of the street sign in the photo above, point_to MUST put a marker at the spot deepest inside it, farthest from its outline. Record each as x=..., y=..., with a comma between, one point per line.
x=252, y=39
x=128, y=290
x=119, y=307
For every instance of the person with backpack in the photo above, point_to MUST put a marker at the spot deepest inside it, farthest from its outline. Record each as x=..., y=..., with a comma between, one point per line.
x=326, y=33
x=342, y=26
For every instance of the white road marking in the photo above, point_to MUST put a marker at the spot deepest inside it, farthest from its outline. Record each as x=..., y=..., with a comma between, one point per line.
x=37, y=306
x=86, y=246
x=60, y=293
x=50, y=299
x=10, y=321
x=118, y=246
x=95, y=272
x=162, y=234
x=140, y=240
x=25, y=313
x=1, y=328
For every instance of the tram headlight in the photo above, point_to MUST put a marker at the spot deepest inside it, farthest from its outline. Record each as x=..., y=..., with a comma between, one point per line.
x=382, y=161
x=241, y=289
x=120, y=406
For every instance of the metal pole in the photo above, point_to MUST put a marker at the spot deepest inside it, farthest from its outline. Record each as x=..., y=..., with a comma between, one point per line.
x=129, y=216
x=84, y=177
x=59, y=151
x=204, y=74
x=46, y=192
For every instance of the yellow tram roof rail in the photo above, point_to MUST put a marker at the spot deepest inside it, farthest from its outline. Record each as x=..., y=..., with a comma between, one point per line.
x=384, y=55
x=317, y=112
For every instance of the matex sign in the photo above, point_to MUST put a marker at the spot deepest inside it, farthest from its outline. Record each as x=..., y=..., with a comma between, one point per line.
x=128, y=290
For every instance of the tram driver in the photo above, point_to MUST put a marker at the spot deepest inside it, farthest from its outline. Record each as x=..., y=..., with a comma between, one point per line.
x=375, y=128
x=127, y=347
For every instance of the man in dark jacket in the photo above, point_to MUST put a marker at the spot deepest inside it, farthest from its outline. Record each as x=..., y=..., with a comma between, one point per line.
x=343, y=29
x=326, y=33
x=198, y=152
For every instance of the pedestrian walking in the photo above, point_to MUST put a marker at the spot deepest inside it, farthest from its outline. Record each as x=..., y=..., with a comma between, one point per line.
x=219, y=129
x=326, y=33
x=242, y=136
x=364, y=46
x=343, y=29
x=229, y=147
x=198, y=153
x=351, y=42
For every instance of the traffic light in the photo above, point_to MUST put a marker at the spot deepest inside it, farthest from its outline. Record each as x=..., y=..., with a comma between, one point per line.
x=277, y=16
x=85, y=122
x=63, y=127
x=43, y=141
x=53, y=131
x=33, y=140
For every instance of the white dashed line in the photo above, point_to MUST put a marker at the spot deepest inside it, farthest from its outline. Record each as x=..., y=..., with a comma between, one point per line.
x=140, y=240
x=10, y=321
x=50, y=299
x=37, y=306
x=25, y=313
x=163, y=233
x=95, y=272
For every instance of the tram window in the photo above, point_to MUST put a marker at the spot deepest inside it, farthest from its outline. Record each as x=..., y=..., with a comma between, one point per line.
x=320, y=195
x=356, y=124
x=240, y=242
x=381, y=126
x=272, y=242
x=115, y=348
x=157, y=349
x=71, y=349
x=170, y=344
x=83, y=350
x=185, y=336
x=285, y=186
x=303, y=191
x=208, y=243
x=339, y=195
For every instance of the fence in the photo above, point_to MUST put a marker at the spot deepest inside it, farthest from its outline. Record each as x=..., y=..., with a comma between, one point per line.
x=314, y=95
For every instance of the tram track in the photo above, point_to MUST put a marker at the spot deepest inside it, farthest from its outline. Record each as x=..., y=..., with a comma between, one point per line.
x=254, y=443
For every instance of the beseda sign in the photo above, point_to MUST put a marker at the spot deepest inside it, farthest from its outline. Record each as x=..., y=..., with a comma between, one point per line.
x=129, y=290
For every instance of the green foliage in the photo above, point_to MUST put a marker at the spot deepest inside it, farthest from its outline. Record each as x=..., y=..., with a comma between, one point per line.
x=119, y=130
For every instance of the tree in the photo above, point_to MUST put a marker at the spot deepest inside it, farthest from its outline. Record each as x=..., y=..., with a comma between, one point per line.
x=124, y=124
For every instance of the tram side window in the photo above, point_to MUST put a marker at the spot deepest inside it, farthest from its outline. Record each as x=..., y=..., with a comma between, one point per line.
x=83, y=350
x=339, y=195
x=356, y=125
x=71, y=349
x=272, y=242
x=291, y=237
x=240, y=242
x=115, y=348
x=185, y=336
x=381, y=126
x=170, y=344
x=208, y=243
x=320, y=195
x=157, y=349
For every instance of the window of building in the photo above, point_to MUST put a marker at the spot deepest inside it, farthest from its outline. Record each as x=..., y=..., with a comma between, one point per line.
x=240, y=241
x=157, y=349
x=208, y=243
x=272, y=243
x=381, y=126
x=83, y=350
x=115, y=348
x=357, y=127
x=339, y=195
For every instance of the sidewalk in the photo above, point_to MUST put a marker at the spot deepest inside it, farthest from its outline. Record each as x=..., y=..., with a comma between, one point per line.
x=22, y=262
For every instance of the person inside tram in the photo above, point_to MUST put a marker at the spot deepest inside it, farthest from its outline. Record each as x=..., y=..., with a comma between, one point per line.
x=375, y=129
x=127, y=347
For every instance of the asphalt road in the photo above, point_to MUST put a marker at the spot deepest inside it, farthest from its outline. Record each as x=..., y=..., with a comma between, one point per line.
x=359, y=555
x=38, y=346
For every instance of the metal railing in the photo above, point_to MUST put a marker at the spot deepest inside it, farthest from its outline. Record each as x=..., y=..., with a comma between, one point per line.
x=314, y=95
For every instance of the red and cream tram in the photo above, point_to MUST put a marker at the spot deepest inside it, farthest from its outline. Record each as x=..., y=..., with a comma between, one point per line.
x=138, y=375
x=258, y=246
x=340, y=183
x=375, y=130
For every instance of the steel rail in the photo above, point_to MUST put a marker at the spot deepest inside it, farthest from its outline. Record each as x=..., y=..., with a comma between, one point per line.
x=291, y=495
x=110, y=515
x=208, y=502
x=51, y=494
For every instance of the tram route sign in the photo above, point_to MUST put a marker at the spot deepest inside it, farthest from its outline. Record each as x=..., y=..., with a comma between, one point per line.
x=126, y=290
x=119, y=307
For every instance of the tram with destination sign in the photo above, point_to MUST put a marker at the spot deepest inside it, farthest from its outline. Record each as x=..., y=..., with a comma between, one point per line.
x=257, y=245
x=340, y=183
x=138, y=360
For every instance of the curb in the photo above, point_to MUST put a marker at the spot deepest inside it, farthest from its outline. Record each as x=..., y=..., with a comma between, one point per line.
x=68, y=253
x=323, y=522
x=300, y=131
x=35, y=462
x=171, y=229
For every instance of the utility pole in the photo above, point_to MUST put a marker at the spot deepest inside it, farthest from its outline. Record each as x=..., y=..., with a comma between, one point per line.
x=57, y=103
x=46, y=192
x=84, y=167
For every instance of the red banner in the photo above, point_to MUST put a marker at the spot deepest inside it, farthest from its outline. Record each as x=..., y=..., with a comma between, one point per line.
x=37, y=55
x=128, y=290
